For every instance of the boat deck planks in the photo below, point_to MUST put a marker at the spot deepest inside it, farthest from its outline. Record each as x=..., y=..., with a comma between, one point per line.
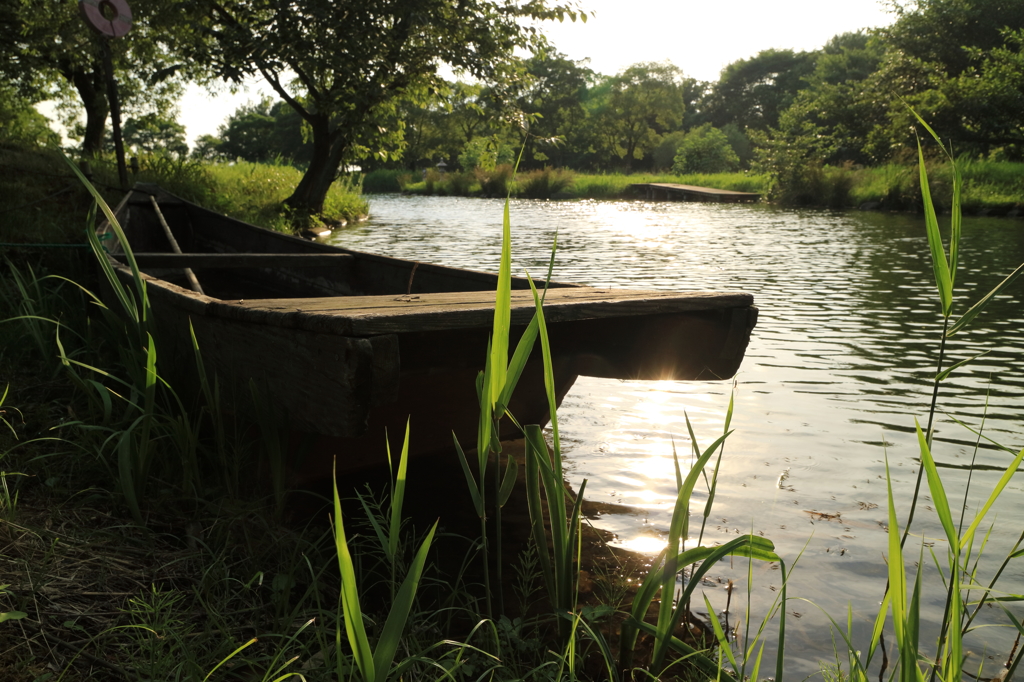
x=370, y=315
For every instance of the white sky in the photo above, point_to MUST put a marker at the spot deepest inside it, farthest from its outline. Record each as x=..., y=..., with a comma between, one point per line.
x=699, y=37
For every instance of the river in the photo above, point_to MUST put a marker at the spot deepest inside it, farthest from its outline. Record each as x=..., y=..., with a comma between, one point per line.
x=838, y=367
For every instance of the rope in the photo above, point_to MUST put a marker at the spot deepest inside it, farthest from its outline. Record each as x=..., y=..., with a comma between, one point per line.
x=43, y=245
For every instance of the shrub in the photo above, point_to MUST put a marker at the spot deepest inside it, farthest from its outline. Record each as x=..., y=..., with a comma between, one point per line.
x=495, y=182
x=385, y=180
x=459, y=184
x=705, y=150
x=542, y=184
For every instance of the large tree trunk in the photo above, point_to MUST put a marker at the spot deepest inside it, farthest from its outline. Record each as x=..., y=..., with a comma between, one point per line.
x=329, y=149
x=91, y=87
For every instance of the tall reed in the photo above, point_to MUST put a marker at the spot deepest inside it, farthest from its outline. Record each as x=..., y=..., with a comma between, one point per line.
x=902, y=600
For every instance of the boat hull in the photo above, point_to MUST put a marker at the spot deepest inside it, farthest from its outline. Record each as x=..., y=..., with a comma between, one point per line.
x=332, y=356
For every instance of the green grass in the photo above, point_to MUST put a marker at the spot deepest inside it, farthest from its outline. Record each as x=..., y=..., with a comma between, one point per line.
x=988, y=186
x=254, y=192
x=43, y=203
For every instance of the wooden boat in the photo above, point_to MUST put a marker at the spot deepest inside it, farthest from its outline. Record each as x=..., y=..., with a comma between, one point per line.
x=344, y=344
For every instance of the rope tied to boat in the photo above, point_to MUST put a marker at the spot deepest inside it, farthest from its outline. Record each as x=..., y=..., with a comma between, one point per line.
x=46, y=245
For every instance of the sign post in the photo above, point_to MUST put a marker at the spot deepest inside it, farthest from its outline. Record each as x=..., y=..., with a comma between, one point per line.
x=111, y=19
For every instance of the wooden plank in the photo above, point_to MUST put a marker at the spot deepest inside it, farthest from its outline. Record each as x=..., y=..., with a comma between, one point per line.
x=192, y=281
x=241, y=260
x=372, y=315
x=669, y=187
x=701, y=190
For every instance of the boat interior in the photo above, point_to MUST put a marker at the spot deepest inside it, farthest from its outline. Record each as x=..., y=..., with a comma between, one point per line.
x=234, y=260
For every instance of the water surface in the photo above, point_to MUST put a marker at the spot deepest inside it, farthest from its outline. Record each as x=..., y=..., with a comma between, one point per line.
x=839, y=366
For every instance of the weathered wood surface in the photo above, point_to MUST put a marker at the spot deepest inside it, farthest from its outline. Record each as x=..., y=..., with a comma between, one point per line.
x=350, y=343
x=242, y=260
x=369, y=315
x=668, y=191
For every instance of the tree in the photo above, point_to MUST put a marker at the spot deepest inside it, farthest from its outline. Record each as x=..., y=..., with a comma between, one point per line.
x=639, y=106
x=831, y=120
x=343, y=66
x=942, y=59
x=206, y=148
x=152, y=133
x=990, y=99
x=20, y=122
x=264, y=131
x=47, y=50
x=753, y=93
x=705, y=150
x=552, y=100
x=936, y=31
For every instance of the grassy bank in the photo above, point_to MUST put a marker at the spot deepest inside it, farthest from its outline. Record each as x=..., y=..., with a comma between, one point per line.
x=546, y=184
x=990, y=188
x=144, y=538
x=249, y=192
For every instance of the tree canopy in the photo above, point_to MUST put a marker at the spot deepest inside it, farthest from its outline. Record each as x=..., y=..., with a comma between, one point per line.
x=343, y=66
x=48, y=52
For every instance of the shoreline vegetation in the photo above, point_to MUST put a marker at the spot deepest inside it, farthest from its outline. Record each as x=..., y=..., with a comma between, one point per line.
x=993, y=188
x=254, y=192
x=143, y=540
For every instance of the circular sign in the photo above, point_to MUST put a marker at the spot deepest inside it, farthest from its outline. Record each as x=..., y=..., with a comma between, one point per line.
x=111, y=18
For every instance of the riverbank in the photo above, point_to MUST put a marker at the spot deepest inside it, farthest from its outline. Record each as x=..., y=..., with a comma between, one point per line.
x=990, y=188
x=147, y=535
x=46, y=202
x=210, y=570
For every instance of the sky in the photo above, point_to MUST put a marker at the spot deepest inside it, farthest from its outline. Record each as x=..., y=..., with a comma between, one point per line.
x=699, y=37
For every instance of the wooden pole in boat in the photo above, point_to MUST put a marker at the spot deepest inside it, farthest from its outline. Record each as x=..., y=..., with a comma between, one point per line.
x=193, y=282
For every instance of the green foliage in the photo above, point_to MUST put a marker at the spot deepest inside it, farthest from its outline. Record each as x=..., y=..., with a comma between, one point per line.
x=348, y=96
x=486, y=153
x=551, y=97
x=383, y=180
x=636, y=108
x=753, y=93
x=20, y=123
x=705, y=150
x=48, y=52
x=256, y=192
x=206, y=148
x=496, y=183
x=543, y=184
x=153, y=133
x=664, y=155
x=264, y=132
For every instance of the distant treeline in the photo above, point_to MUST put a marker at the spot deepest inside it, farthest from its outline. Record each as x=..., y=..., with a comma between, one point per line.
x=779, y=113
x=958, y=63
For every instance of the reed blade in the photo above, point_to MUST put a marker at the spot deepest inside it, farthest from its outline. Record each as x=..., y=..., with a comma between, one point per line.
x=940, y=266
x=398, y=496
x=352, y=612
x=937, y=490
x=996, y=492
x=978, y=307
x=401, y=607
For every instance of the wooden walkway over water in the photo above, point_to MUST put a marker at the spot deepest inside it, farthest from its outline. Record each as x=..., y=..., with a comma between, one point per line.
x=665, y=191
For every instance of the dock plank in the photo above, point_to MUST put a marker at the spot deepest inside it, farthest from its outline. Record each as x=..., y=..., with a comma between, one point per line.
x=670, y=189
